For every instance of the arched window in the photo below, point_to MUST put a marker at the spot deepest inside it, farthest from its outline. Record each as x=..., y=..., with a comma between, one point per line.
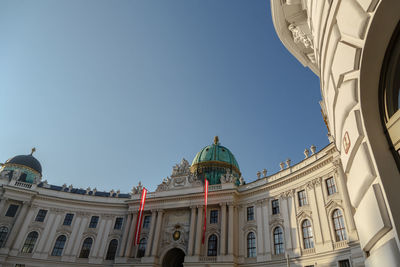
x=30, y=242
x=308, y=240
x=142, y=247
x=338, y=224
x=212, y=245
x=59, y=245
x=3, y=235
x=86, y=246
x=278, y=241
x=251, y=245
x=112, y=249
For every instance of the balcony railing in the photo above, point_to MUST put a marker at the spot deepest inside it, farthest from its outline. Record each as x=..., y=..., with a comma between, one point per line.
x=208, y=258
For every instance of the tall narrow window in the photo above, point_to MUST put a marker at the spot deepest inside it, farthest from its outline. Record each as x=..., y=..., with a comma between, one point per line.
x=308, y=240
x=59, y=245
x=275, y=206
x=214, y=216
x=112, y=249
x=344, y=263
x=278, y=241
x=251, y=245
x=146, y=222
x=41, y=215
x=3, y=235
x=142, y=247
x=331, y=186
x=250, y=213
x=212, y=245
x=118, y=223
x=86, y=246
x=30, y=242
x=12, y=210
x=302, y=198
x=338, y=224
x=93, y=221
x=68, y=219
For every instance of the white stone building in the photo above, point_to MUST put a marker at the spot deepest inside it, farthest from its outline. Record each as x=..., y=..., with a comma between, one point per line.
x=354, y=48
x=300, y=216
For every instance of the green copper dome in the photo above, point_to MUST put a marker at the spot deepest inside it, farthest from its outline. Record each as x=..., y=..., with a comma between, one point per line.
x=213, y=161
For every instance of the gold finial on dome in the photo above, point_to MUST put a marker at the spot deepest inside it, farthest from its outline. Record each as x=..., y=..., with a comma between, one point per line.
x=33, y=150
x=216, y=140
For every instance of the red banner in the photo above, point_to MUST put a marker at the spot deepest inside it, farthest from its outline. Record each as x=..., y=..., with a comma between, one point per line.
x=205, y=208
x=140, y=216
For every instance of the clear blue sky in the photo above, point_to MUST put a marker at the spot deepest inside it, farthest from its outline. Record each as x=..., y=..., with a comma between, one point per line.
x=113, y=92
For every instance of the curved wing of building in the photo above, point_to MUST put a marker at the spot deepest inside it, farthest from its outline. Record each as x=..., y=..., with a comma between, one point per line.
x=299, y=216
x=354, y=48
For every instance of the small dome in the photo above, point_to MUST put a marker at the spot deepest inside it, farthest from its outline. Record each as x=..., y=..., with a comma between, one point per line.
x=27, y=161
x=215, y=160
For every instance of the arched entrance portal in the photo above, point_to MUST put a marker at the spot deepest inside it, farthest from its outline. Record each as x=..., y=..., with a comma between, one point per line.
x=174, y=258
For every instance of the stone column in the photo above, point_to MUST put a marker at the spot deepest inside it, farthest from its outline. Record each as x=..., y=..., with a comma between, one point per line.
x=151, y=233
x=129, y=244
x=17, y=225
x=198, y=230
x=260, y=232
x=267, y=237
x=242, y=218
x=104, y=241
x=45, y=234
x=75, y=229
x=286, y=223
x=317, y=231
x=84, y=224
x=157, y=233
x=191, y=232
x=223, y=229
x=230, y=229
x=3, y=201
x=52, y=234
x=99, y=237
x=22, y=233
x=294, y=224
x=127, y=224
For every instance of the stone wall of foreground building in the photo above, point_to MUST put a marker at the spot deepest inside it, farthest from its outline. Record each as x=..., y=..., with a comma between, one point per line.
x=301, y=215
x=351, y=45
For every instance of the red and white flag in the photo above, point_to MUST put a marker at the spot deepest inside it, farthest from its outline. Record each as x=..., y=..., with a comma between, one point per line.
x=140, y=216
x=205, y=208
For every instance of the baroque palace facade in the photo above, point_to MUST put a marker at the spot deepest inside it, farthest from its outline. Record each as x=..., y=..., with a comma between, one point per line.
x=354, y=48
x=299, y=216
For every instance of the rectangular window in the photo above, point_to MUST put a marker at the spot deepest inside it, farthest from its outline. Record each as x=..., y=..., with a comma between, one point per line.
x=12, y=210
x=93, y=221
x=331, y=186
x=68, y=219
x=302, y=197
x=275, y=206
x=19, y=265
x=146, y=221
x=41, y=216
x=344, y=263
x=118, y=223
x=250, y=213
x=214, y=216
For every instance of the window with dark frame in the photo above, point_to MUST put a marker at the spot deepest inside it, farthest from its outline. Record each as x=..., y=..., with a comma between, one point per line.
x=112, y=249
x=344, y=263
x=41, y=215
x=278, y=241
x=308, y=240
x=214, y=216
x=250, y=213
x=275, y=206
x=331, y=186
x=302, y=198
x=68, y=219
x=212, y=245
x=59, y=245
x=86, y=246
x=3, y=235
x=118, y=223
x=338, y=225
x=93, y=221
x=12, y=210
x=146, y=222
x=30, y=242
x=251, y=245
x=142, y=247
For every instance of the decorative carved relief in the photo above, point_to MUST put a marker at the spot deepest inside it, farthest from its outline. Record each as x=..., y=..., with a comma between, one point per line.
x=300, y=37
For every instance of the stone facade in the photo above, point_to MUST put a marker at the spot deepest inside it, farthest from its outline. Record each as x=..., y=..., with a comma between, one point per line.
x=246, y=225
x=349, y=41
